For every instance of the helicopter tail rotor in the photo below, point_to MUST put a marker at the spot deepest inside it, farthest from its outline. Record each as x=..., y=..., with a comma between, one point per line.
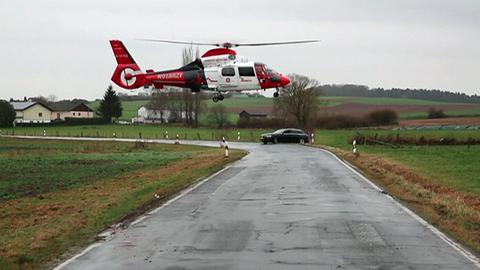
x=127, y=74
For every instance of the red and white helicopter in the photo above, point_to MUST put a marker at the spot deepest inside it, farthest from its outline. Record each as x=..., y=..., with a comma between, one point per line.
x=219, y=69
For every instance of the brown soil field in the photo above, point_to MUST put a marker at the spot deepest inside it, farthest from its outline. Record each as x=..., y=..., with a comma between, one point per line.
x=357, y=109
x=471, y=121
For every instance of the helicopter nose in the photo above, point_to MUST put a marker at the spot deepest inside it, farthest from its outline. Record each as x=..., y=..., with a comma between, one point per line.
x=284, y=80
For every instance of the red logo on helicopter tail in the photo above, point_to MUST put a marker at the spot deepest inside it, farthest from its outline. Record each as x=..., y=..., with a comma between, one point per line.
x=127, y=74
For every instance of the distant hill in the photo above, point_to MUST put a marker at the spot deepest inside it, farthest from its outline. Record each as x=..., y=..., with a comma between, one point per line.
x=353, y=90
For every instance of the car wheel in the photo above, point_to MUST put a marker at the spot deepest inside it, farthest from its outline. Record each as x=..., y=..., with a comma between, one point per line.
x=264, y=142
x=302, y=141
x=275, y=140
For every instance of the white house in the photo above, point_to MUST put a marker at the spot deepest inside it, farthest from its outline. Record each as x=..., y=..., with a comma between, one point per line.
x=146, y=115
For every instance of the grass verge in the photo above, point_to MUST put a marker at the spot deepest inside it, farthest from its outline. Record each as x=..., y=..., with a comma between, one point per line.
x=41, y=226
x=140, y=131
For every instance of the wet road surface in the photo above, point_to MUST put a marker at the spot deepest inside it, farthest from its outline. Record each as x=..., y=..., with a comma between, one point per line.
x=281, y=207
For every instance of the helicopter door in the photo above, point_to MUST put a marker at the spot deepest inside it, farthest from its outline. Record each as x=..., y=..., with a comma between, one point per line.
x=248, y=79
x=229, y=77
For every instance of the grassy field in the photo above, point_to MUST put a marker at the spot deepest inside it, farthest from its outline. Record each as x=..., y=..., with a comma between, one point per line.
x=455, y=166
x=58, y=195
x=146, y=132
x=261, y=104
x=423, y=115
x=339, y=138
x=337, y=100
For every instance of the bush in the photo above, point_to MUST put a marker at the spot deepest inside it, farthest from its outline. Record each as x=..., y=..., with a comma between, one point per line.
x=85, y=121
x=264, y=123
x=68, y=122
x=383, y=117
x=396, y=140
x=7, y=114
x=434, y=113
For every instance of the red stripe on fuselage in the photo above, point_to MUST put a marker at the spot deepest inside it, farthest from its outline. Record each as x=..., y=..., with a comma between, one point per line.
x=177, y=78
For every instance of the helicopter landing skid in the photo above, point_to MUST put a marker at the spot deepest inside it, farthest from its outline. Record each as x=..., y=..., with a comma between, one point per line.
x=217, y=96
x=276, y=94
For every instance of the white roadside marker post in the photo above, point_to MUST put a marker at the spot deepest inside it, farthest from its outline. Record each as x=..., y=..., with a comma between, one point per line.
x=177, y=139
x=166, y=134
x=114, y=135
x=238, y=136
x=313, y=138
x=225, y=145
x=44, y=133
x=354, y=143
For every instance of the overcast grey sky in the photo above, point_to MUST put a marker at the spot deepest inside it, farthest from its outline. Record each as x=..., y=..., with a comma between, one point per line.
x=61, y=47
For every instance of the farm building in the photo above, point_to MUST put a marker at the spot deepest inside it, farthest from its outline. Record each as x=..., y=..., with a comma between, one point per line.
x=246, y=115
x=70, y=109
x=31, y=112
x=146, y=115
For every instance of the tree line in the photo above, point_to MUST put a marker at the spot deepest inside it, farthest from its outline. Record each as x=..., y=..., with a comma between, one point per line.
x=425, y=94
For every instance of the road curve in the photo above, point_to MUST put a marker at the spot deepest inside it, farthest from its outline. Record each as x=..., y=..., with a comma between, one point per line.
x=280, y=207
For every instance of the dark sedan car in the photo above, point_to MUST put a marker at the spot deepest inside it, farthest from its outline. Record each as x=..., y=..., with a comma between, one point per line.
x=285, y=135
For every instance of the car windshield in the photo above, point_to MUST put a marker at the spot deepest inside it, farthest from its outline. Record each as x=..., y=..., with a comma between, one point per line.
x=280, y=131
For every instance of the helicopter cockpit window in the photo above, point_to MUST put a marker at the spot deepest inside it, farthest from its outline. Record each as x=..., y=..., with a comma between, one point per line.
x=270, y=71
x=246, y=71
x=228, y=71
x=274, y=76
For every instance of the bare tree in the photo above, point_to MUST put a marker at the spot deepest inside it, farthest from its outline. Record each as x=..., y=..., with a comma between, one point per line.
x=52, y=98
x=298, y=99
x=159, y=101
x=192, y=101
x=218, y=115
x=40, y=99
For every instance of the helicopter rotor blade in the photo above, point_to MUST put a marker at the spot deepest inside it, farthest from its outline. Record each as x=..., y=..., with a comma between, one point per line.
x=275, y=43
x=179, y=42
x=230, y=44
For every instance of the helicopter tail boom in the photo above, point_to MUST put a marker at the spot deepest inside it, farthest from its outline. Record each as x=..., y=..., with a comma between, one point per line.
x=127, y=73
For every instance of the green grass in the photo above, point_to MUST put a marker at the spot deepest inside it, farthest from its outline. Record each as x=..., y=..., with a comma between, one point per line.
x=413, y=115
x=340, y=138
x=33, y=167
x=146, y=131
x=60, y=194
x=454, y=166
x=471, y=112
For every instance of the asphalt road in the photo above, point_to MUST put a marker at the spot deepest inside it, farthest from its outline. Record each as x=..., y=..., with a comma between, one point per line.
x=281, y=207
